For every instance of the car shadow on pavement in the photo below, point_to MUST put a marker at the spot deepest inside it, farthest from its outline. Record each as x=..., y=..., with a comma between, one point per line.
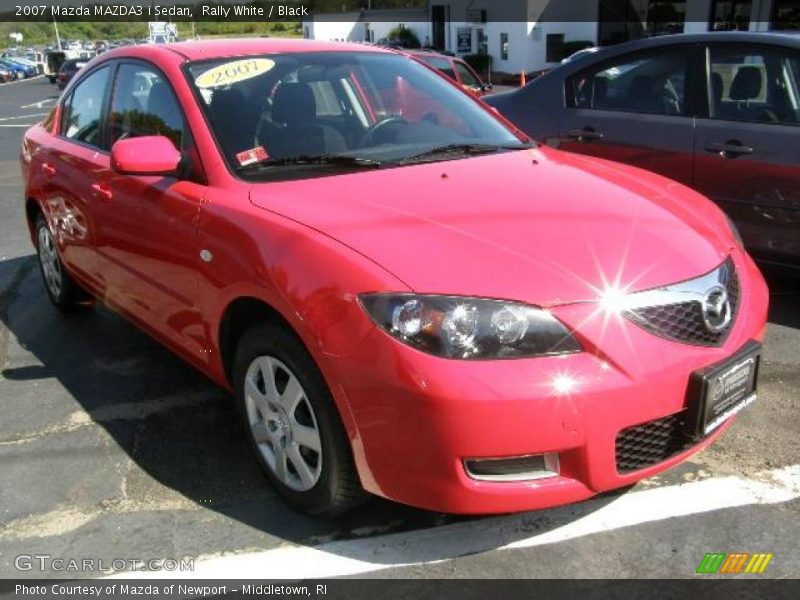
x=174, y=429
x=784, y=297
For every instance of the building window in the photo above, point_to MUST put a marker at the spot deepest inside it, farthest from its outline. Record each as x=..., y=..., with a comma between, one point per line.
x=624, y=20
x=504, y=46
x=785, y=14
x=730, y=15
x=555, y=44
x=665, y=16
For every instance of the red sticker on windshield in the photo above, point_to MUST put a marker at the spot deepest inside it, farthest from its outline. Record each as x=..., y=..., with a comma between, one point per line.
x=248, y=157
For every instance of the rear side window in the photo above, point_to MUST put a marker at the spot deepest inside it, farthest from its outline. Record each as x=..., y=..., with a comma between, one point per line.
x=83, y=109
x=755, y=84
x=441, y=64
x=652, y=83
x=143, y=103
x=467, y=78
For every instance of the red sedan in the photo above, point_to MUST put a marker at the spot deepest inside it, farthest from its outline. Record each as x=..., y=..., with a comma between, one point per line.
x=454, y=68
x=406, y=296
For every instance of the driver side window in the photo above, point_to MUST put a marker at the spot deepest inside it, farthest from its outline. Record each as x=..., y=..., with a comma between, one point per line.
x=143, y=103
x=650, y=84
x=81, y=119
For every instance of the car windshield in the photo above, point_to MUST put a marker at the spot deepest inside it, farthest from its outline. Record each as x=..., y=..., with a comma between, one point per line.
x=306, y=114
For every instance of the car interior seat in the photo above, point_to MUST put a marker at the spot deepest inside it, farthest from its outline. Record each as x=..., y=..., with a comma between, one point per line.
x=745, y=90
x=161, y=102
x=641, y=96
x=599, y=92
x=295, y=129
x=235, y=120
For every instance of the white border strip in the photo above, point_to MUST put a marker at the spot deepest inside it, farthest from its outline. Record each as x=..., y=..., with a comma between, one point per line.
x=355, y=557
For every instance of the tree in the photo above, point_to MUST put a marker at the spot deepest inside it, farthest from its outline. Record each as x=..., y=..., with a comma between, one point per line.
x=403, y=36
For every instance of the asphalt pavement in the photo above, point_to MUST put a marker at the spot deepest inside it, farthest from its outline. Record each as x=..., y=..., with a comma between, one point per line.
x=113, y=448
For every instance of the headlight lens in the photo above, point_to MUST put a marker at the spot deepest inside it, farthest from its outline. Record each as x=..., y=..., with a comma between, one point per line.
x=470, y=328
x=735, y=232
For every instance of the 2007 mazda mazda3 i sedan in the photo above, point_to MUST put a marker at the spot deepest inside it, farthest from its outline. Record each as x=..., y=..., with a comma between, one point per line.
x=407, y=297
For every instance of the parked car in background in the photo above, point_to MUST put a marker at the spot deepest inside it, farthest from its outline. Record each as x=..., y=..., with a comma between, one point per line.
x=5, y=75
x=20, y=71
x=455, y=68
x=580, y=54
x=719, y=112
x=53, y=60
x=68, y=71
x=411, y=301
x=38, y=59
x=27, y=62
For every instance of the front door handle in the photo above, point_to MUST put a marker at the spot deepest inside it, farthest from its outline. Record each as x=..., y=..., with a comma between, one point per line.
x=587, y=134
x=49, y=170
x=102, y=190
x=729, y=149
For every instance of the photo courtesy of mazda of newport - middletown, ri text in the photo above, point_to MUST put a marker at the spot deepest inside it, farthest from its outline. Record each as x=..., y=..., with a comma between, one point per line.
x=406, y=295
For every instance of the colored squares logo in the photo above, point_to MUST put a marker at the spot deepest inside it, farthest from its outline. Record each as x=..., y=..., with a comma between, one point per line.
x=734, y=562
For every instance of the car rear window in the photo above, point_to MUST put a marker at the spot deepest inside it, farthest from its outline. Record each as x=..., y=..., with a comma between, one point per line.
x=441, y=64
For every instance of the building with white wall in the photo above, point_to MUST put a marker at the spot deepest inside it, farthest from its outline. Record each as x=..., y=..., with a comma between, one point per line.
x=527, y=35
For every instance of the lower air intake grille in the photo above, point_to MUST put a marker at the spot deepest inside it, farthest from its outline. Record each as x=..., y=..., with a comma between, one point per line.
x=650, y=443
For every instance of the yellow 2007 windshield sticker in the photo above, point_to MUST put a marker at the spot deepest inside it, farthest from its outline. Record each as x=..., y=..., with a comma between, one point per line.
x=233, y=72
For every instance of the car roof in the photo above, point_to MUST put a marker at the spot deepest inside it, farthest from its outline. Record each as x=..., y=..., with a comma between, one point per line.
x=430, y=53
x=202, y=50
x=748, y=37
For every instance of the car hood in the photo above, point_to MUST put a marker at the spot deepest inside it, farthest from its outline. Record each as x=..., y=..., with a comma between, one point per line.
x=540, y=226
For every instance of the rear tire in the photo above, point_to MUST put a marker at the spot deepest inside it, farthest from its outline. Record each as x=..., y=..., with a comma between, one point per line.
x=292, y=422
x=62, y=290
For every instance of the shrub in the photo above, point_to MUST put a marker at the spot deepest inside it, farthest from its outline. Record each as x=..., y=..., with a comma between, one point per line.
x=404, y=37
x=479, y=62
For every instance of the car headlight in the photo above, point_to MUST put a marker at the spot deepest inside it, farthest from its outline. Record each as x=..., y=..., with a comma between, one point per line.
x=470, y=328
x=735, y=232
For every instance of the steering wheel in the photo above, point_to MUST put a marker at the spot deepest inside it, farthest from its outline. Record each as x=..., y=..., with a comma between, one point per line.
x=672, y=104
x=370, y=135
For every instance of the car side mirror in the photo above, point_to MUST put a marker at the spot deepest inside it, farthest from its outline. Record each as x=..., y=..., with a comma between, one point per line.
x=147, y=155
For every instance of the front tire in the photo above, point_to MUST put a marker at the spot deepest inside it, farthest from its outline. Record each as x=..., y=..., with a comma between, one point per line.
x=293, y=424
x=63, y=292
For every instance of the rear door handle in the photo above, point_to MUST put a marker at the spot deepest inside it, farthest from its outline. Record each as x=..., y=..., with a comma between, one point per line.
x=49, y=170
x=729, y=149
x=100, y=189
x=587, y=134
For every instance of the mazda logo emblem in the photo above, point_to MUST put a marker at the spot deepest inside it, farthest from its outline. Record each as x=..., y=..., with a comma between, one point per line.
x=716, y=309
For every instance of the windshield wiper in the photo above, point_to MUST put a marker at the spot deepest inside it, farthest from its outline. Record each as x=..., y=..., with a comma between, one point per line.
x=323, y=159
x=461, y=149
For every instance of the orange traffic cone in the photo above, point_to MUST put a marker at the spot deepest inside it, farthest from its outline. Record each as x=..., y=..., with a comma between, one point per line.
x=522, y=81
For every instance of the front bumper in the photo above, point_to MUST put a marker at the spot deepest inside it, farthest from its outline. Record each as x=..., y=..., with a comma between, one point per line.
x=415, y=418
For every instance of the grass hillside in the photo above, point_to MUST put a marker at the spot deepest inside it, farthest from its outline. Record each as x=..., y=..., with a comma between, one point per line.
x=44, y=33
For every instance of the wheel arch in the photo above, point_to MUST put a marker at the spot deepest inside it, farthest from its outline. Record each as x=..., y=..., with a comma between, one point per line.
x=32, y=210
x=239, y=315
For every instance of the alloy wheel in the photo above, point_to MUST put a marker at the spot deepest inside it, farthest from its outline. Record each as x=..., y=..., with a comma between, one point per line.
x=51, y=264
x=282, y=423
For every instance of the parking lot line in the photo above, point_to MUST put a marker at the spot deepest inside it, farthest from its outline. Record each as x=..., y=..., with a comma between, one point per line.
x=22, y=117
x=17, y=81
x=354, y=557
x=39, y=103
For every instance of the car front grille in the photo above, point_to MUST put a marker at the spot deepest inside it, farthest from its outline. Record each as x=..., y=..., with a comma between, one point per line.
x=682, y=321
x=651, y=443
